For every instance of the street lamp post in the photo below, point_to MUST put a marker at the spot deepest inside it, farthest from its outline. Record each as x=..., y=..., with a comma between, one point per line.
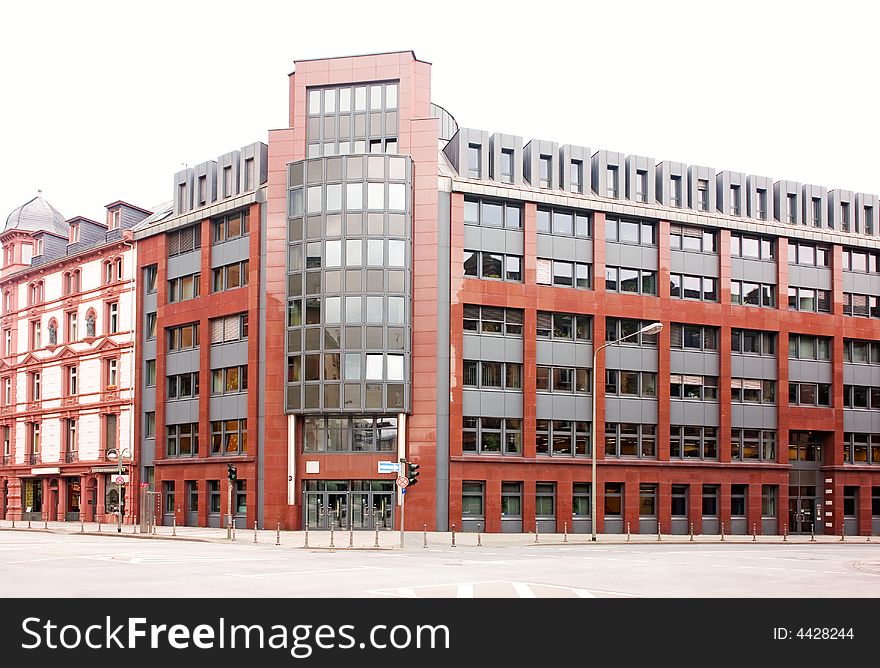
x=653, y=328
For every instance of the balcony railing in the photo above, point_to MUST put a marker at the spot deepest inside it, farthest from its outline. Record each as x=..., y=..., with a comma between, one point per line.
x=70, y=456
x=34, y=458
x=6, y=460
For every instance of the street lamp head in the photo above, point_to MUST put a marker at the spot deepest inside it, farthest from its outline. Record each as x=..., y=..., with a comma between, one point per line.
x=653, y=328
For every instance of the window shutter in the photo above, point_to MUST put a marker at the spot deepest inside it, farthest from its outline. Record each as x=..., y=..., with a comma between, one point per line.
x=217, y=331
x=232, y=330
x=675, y=336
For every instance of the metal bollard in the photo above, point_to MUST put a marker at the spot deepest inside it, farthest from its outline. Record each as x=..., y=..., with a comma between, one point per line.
x=13, y=522
x=99, y=526
x=565, y=532
x=692, y=532
x=351, y=536
x=331, y=534
x=536, y=532
x=376, y=542
x=29, y=523
x=174, y=526
x=453, y=535
x=425, y=540
x=842, y=532
x=278, y=534
x=722, y=532
x=658, y=531
x=82, y=525
x=627, y=532
x=785, y=533
x=812, y=533
x=45, y=524
x=306, y=544
x=479, y=542
x=134, y=527
x=754, y=532
x=255, y=532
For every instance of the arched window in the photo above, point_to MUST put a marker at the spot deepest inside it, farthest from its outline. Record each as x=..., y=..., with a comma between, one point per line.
x=75, y=281
x=7, y=301
x=108, y=272
x=118, y=269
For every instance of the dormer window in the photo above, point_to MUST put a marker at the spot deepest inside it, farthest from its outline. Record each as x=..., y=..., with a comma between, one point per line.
x=38, y=246
x=113, y=218
x=74, y=234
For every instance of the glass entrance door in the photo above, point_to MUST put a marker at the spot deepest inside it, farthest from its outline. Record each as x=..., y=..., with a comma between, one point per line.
x=358, y=504
x=802, y=510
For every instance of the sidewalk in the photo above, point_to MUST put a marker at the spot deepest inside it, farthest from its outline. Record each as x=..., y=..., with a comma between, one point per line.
x=391, y=539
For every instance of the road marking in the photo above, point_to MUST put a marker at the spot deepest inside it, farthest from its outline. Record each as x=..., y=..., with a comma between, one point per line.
x=583, y=593
x=523, y=590
x=465, y=591
x=257, y=576
x=836, y=572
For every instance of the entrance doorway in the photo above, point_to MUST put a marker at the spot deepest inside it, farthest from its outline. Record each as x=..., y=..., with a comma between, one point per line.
x=192, y=503
x=73, y=500
x=343, y=504
x=32, y=499
x=802, y=509
x=805, y=450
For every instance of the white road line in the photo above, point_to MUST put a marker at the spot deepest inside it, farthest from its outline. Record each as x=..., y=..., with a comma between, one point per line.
x=836, y=572
x=801, y=570
x=256, y=576
x=465, y=591
x=523, y=590
x=583, y=593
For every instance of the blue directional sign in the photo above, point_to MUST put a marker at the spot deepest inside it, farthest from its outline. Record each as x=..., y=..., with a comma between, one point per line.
x=389, y=467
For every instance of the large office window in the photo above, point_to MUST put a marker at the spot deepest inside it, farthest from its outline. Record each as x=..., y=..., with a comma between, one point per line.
x=563, y=438
x=630, y=440
x=492, y=436
x=692, y=442
x=753, y=445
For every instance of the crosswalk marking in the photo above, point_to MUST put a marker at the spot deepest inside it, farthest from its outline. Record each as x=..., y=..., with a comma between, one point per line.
x=583, y=593
x=523, y=590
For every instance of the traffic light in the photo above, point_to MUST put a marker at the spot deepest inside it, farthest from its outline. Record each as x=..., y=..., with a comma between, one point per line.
x=412, y=473
x=231, y=472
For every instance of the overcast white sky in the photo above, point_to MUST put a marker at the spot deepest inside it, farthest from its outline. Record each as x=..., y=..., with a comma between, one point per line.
x=105, y=100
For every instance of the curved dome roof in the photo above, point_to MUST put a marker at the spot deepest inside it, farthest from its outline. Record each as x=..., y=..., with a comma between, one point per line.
x=36, y=215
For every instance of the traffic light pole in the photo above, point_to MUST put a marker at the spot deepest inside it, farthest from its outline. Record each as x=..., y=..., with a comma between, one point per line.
x=402, y=513
x=228, y=508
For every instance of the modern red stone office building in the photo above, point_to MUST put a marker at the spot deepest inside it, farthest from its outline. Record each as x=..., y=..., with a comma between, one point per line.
x=67, y=289
x=382, y=284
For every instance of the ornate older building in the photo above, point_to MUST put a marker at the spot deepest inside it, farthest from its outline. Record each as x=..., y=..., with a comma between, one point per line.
x=67, y=360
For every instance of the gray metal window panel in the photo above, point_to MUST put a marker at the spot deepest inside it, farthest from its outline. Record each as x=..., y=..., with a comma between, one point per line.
x=184, y=264
x=631, y=357
x=624, y=409
x=810, y=371
x=181, y=412
x=230, y=251
x=753, y=416
x=551, y=406
x=698, y=264
x=690, y=362
x=694, y=413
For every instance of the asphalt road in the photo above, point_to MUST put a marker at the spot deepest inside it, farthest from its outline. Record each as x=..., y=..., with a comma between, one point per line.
x=54, y=564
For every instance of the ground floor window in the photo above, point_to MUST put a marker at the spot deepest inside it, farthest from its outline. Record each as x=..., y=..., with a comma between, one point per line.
x=545, y=500
x=738, y=495
x=613, y=499
x=32, y=496
x=168, y=493
x=647, y=500
x=850, y=501
x=241, y=497
x=769, y=495
x=580, y=500
x=472, y=499
x=680, y=500
x=214, y=496
x=511, y=500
